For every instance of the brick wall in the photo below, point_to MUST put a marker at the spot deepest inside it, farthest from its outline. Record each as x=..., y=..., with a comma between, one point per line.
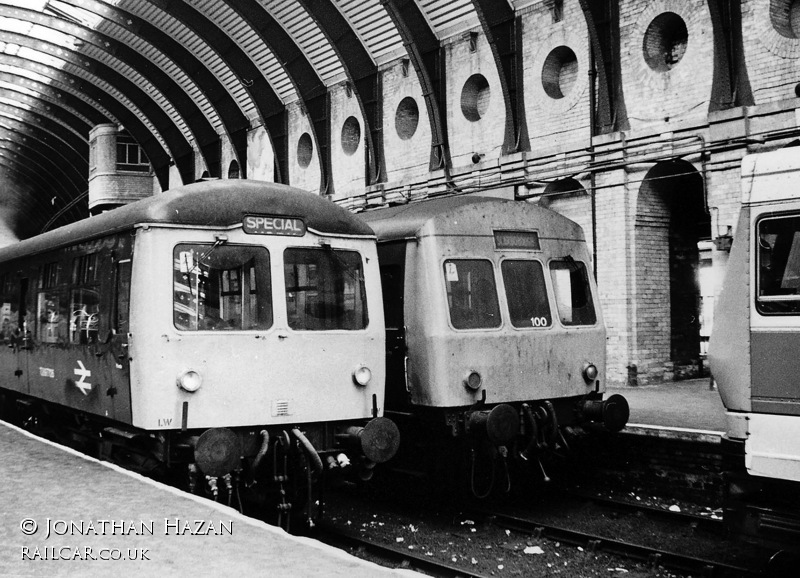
x=347, y=143
x=556, y=74
x=671, y=92
x=772, y=49
x=406, y=128
x=304, y=160
x=468, y=136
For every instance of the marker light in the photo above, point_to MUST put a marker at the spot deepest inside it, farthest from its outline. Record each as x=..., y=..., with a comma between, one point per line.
x=473, y=380
x=362, y=375
x=190, y=381
x=590, y=372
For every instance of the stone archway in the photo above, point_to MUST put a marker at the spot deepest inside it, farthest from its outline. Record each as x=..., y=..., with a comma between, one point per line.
x=671, y=219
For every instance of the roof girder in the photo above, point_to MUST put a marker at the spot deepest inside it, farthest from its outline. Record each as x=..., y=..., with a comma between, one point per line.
x=158, y=157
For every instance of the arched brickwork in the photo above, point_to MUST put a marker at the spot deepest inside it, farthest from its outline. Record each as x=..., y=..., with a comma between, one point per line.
x=670, y=220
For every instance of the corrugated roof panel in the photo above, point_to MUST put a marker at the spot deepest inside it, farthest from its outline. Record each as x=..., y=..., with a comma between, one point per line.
x=119, y=97
x=373, y=25
x=31, y=96
x=144, y=84
x=181, y=33
x=26, y=102
x=449, y=17
x=31, y=77
x=248, y=40
x=166, y=64
x=304, y=30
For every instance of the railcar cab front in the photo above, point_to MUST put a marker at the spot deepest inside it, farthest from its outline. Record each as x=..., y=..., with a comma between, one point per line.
x=492, y=327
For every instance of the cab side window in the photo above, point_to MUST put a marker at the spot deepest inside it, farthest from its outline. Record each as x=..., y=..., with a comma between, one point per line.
x=778, y=254
x=573, y=294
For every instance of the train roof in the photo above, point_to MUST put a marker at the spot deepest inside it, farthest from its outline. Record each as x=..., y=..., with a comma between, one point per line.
x=221, y=203
x=407, y=221
x=771, y=176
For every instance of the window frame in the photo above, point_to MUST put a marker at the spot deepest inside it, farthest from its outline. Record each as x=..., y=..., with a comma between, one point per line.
x=589, y=291
x=760, y=300
x=268, y=292
x=544, y=269
x=447, y=294
x=366, y=319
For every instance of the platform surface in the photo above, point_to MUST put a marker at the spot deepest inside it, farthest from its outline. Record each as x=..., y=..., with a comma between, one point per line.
x=64, y=514
x=683, y=405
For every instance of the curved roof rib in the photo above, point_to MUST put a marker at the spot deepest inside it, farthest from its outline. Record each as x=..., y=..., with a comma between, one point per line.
x=362, y=72
x=222, y=56
x=99, y=92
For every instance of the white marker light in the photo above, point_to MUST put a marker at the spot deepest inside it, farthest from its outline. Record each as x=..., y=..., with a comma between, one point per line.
x=190, y=381
x=362, y=375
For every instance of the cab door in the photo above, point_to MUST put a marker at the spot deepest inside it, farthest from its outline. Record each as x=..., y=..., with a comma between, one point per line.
x=392, y=258
x=118, y=358
x=775, y=323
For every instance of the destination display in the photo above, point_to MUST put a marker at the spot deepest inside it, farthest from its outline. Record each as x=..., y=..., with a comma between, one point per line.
x=522, y=240
x=273, y=225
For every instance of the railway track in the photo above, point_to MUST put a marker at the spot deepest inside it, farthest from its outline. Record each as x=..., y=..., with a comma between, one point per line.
x=391, y=556
x=626, y=549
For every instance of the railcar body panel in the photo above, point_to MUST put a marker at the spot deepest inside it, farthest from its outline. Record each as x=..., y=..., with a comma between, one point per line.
x=57, y=350
x=250, y=377
x=128, y=373
x=453, y=245
x=729, y=345
x=754, y=348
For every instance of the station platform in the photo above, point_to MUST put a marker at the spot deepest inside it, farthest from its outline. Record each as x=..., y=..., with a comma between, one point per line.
x=689, y=406
x=65, y=514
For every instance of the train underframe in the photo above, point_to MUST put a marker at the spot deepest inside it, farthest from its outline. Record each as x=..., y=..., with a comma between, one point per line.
x=275, y=473
x=762, y=511
x=482, y=448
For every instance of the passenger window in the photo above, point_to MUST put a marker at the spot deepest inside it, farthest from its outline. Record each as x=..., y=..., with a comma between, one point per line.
x=778, y=288
x=85, y=317
x=122, y=297
x=84, y=309
x=325, y=289
x=221, y=288
x=526, y=293
x=573, y=294
x=471, y=294
x=52, y=313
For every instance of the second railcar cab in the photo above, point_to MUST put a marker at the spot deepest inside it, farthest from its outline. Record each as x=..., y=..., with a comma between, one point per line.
x=488, y=303
x=753, y=351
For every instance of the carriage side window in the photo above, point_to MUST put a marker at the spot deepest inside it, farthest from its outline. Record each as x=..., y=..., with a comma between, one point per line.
x=122, y=297
x=573, y=294
x=778, y=290
x=526, y=293
x=221, y=288
x=52, y=307
x=471, y=294
x=84, y=317
x=325, y=289
x=6, y=309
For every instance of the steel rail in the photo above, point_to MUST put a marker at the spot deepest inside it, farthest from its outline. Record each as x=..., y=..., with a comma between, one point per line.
x=401, y=558
x=653, y=556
